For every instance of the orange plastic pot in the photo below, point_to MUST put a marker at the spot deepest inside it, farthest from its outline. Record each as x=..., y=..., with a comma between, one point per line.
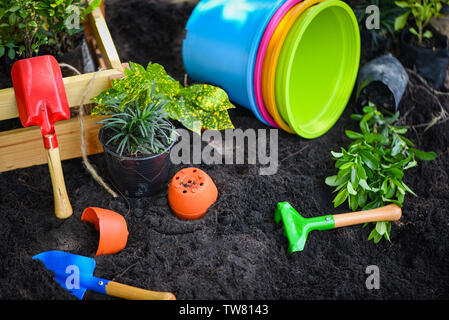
x=111, y=226
x=190, y=193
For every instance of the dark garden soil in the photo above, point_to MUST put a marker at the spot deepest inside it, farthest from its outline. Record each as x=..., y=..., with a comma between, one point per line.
x=236, y=251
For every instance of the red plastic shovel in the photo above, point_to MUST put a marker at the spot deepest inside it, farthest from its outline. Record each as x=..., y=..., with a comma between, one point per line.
x=41, y=100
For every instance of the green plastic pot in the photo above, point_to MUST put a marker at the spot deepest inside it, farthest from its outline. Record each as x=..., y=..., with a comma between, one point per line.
x=317, y=68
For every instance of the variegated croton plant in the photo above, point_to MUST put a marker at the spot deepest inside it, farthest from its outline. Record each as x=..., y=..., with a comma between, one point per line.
x=195, y=107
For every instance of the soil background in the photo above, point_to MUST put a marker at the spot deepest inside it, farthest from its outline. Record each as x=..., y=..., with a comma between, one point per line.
x=236, y=251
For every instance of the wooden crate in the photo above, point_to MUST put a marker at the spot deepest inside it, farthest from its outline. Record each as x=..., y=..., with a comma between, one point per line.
x=21, y=148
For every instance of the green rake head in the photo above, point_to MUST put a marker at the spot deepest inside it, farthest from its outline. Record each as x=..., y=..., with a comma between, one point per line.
x=297, y=228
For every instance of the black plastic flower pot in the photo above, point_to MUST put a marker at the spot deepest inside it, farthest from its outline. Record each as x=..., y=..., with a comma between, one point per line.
x=137, y=177
x=430, y=63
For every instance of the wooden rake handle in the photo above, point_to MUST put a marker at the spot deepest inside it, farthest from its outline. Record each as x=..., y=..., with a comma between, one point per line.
x=124, y=291
x=63, y=208
x=390, y=212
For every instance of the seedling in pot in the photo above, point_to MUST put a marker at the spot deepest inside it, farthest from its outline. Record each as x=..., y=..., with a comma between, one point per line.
x=371, y=170
x=423, y=11
x=138, y=128
x=137, y=138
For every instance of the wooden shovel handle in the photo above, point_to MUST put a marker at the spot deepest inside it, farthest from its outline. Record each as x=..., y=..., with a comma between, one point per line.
x=63, y=208
x=124, y=291
x=390, y=212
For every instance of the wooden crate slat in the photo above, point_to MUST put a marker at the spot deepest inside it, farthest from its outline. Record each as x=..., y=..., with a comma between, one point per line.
x=104, y=40
x=21, y=148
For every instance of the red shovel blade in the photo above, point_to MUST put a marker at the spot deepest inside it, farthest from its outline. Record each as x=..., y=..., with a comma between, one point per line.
x=40, y=93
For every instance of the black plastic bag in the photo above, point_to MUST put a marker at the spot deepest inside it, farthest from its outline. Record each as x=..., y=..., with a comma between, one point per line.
x=388, y=71
x=431, y=64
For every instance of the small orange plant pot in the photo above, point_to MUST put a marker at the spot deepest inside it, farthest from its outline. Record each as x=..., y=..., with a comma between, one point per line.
x=111, y=226
x=191, y=193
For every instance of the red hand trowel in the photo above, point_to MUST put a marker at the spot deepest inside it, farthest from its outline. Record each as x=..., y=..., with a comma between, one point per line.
x=41, y=100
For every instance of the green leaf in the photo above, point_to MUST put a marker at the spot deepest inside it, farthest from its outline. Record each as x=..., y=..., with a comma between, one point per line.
x=413, y=31
x=377, y=237
x=397, y=148
x=351, y=188
x=353, y=135
x=346, y=165
x=360, y=171
x=93, y=5
x=381, y=227
x=395, y=172
x=408, y=189
x=425, y=156
x=402, y=4
x=341, y=197
x=11, y=53
x=401, y=21
x=372, y=234
x=364, y=185
x=14, y=8
x=428, y=34
x=2, y=51
x=334, y=181
x=12, y=19
x=337, y=154
x=362, y=197
x=353, y=202
x=370, y=160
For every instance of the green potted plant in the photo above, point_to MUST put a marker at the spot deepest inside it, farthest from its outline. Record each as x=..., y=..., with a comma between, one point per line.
x=421, y=45
x=139, y=167
x=29, y=28
x=137, y=138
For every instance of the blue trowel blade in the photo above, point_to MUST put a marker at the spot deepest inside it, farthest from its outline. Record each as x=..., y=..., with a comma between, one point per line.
x=71, y=270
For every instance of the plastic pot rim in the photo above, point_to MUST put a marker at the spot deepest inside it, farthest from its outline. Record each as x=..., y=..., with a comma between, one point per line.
x=268, y=75
x=337, y=102
x=252, y=63
x=263, y=45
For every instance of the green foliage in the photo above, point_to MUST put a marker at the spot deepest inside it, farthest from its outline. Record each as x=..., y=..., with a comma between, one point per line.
x=138, y=128
x=195, y=106
x=422, y=11
x=371, y=171
x=26, y=25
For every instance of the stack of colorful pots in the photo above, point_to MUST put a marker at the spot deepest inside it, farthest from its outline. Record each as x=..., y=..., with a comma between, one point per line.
x=292, y=62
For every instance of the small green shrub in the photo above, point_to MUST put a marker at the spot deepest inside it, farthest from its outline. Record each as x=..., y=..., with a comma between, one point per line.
x=27, y=25
x=371, y=170
x=138, y=128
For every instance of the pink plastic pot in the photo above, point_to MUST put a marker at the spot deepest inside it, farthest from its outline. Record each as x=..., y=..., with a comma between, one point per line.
x=272, y=25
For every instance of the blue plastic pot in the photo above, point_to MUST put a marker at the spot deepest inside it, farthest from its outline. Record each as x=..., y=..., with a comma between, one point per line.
x=221, y=45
